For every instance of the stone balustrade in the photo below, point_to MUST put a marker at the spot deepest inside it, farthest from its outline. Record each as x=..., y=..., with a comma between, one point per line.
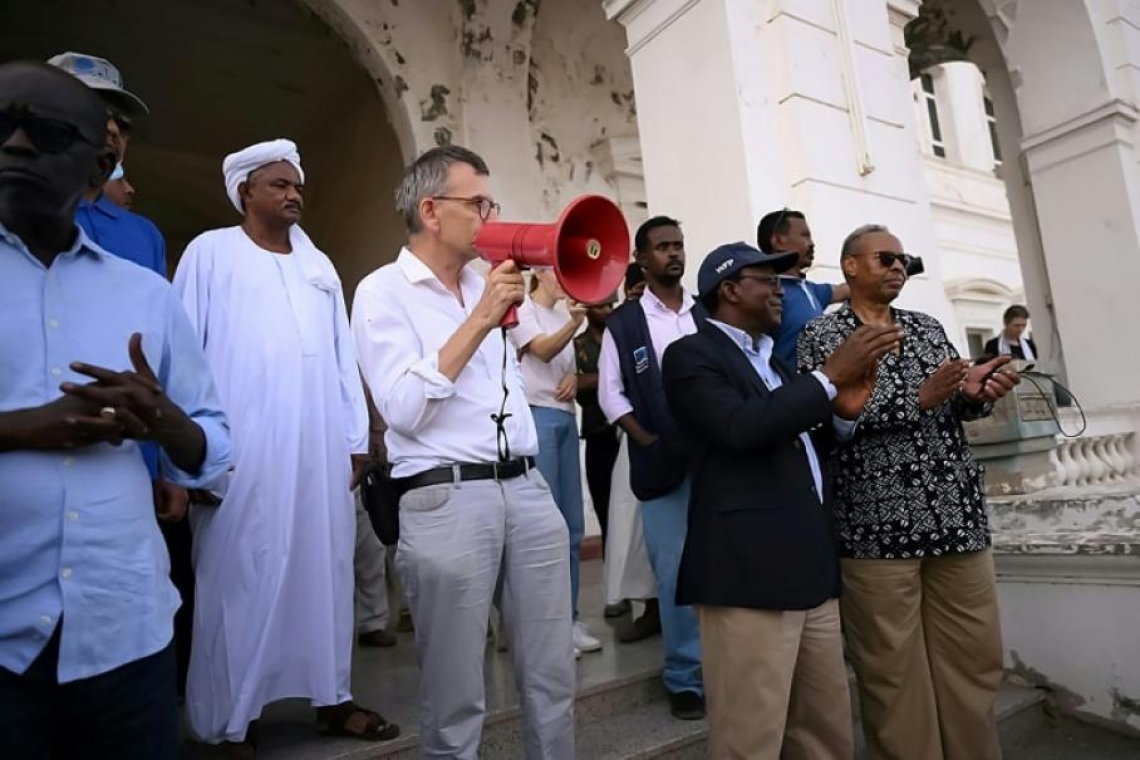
x=1096, y=459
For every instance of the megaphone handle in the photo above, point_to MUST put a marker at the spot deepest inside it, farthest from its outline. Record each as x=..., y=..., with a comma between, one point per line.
x=510, y=318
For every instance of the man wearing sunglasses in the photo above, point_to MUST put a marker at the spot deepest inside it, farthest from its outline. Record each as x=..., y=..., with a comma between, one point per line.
x=87, y=668
x=135, y=238
x=787, y=231
x=919, y=598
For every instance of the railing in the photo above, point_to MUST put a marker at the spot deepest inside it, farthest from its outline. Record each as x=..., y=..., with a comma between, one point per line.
x=1096, y=460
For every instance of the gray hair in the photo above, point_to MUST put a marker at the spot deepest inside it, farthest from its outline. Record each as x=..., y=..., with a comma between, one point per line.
x=856, y=235
x=427, y=177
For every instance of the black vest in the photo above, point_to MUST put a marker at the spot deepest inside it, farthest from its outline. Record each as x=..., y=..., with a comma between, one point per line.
x=656, y=470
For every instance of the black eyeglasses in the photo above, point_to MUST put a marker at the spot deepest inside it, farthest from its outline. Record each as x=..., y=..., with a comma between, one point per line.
x=48, y=135
x=888, y=259
x=485, y=206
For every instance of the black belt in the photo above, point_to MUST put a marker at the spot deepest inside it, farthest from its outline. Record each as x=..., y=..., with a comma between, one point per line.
x=495, y=471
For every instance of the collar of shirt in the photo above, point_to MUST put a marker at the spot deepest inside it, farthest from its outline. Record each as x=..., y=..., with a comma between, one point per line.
x=417, y=272
x=760, y=348
x=651, y=301
x=104, y=205
x=81, y=244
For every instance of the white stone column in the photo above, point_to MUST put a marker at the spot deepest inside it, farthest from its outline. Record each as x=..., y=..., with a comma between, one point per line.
x=745, y=107
x=1077, y=108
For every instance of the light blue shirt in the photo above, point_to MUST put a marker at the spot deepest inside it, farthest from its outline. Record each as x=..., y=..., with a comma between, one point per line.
x=759, y=354
x=78, y=535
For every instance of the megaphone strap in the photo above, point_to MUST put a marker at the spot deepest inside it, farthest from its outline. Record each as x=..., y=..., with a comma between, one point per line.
x=502, y=442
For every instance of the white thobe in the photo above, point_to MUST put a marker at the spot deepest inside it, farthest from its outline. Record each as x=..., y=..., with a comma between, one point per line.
x=273, y=615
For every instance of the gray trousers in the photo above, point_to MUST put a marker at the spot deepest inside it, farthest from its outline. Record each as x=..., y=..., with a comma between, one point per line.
x=461, y=546
x=371, y=591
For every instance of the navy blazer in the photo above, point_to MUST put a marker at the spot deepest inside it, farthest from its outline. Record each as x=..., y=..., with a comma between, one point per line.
x=758, y=533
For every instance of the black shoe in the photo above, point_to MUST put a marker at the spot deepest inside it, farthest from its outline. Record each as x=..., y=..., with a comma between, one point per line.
x=617, y=610
x=687, y=705
x=377, y=638
x=649, y=624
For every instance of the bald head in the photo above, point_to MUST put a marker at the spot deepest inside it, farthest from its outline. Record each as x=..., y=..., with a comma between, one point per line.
x=47, y=91
x=54, y=143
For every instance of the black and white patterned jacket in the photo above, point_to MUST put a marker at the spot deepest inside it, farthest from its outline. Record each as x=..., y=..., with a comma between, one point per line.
x=906, y=485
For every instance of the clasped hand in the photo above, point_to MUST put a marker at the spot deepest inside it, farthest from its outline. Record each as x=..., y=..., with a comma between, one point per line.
x=118, y=405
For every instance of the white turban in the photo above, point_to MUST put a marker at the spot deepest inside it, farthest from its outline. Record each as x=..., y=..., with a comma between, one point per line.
x=238, y=166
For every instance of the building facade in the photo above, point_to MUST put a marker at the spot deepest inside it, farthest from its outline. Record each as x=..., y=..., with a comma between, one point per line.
x=711, y=111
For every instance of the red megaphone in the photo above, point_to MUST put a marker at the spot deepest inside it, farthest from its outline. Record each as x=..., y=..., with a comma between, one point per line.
x=588, y=248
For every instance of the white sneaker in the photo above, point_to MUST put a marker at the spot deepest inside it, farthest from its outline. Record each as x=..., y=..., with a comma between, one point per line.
x=583, y=640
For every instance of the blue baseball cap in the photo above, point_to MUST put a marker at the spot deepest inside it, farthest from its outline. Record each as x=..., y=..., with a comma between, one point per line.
x=728, y=259
x=100, y=74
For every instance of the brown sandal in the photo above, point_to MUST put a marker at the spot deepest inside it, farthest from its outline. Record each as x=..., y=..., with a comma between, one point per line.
x=334, y=720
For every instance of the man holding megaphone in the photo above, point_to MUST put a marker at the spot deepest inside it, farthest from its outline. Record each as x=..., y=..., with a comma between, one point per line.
x=475, y=515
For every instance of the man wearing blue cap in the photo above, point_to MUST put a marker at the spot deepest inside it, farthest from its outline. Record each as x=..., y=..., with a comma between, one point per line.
x=122, y=232
x=759, y=562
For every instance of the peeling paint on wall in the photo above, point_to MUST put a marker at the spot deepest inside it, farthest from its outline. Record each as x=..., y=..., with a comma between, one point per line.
x=579, y=94
x=1067, y=701
x=531, y=87
x=442, y=136
x=473, y=43
x=436, y=106
x=468, y=8
x=524, y=9
x=401, y=85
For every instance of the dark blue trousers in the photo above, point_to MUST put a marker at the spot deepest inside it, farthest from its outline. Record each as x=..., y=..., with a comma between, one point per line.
x=129, y=713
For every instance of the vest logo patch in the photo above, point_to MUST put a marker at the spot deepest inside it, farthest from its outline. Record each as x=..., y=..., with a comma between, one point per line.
x=640, y=359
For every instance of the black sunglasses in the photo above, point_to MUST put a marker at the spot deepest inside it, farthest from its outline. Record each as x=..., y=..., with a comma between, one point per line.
x=888, y=259
x=48, y=135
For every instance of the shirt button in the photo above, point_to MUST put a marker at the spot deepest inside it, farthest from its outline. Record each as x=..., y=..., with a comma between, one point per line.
x=72, y=516
x=68, y=461
x=53, y=323
x=56, y=371
x=65, y=572
x=45, y=620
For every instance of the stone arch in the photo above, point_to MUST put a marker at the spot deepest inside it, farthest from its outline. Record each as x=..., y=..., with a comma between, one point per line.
x=1064, y=94
x=219, y=75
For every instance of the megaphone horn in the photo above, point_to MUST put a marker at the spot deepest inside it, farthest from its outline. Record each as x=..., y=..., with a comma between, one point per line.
x=588, y=249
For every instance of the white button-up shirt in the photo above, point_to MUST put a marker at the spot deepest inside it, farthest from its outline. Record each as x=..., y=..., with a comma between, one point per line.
x=665, y=326
x=401, y=317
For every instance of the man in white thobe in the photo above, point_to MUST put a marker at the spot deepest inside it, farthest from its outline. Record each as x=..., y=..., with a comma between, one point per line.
x=273, y=562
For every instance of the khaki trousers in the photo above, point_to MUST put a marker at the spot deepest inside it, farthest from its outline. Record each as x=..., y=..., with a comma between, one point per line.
x=925, y=640
x=775, y=684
